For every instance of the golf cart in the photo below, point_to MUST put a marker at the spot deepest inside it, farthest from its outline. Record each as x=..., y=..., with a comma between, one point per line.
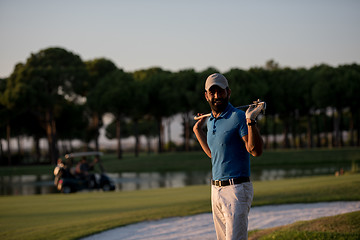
x=77, y=174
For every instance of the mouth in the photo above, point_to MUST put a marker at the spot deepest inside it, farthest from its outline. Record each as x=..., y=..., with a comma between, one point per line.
x=218, y=102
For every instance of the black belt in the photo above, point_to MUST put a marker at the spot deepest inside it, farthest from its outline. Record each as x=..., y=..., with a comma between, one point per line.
x=232, y=181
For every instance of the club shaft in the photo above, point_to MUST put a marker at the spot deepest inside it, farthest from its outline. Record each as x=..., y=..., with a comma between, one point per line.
x=243, y=106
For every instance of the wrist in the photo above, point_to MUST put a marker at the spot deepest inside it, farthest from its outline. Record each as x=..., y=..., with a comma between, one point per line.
x=250, y=122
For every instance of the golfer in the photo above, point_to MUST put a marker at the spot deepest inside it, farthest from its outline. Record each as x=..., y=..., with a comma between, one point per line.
x=231, y=135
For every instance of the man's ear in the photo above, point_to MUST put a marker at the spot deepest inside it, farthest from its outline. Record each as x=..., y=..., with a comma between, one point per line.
x=206, y=96
x=228, y=92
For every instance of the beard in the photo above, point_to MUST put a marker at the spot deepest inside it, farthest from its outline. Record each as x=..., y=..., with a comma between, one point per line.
x=219, y=105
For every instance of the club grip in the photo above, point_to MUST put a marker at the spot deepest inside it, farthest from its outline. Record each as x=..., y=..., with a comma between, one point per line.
x=202, y=116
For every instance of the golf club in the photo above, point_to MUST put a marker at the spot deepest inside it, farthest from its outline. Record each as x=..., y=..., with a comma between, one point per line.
x=255, y=103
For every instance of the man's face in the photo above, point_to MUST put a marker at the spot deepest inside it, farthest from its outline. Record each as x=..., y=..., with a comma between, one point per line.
x=218, y=98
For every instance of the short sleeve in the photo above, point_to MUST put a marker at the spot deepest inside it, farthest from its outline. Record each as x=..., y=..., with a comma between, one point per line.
x=243, y=129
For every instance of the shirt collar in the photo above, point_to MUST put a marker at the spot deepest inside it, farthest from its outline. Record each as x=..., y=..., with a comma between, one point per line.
x=224, y=113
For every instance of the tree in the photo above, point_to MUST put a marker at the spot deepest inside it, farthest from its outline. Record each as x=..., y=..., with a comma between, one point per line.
x=111, y=129
x=115, y=95
x=285, y=97
x=138, y=113
x=47, y=77
x=160, y=88
x=3, y=120
x=98, y=69
x=143, y=127
x=351, y=82
x=326, y=94
x=303, y=107
x=71, y=122
x=187, y=98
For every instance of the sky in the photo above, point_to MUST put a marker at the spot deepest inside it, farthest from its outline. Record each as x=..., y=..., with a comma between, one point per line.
x=178, y=35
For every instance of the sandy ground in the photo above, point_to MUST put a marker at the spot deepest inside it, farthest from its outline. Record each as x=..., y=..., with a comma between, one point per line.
x=201, y=226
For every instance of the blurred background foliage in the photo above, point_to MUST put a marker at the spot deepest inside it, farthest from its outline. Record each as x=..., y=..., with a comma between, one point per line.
x=57, y=96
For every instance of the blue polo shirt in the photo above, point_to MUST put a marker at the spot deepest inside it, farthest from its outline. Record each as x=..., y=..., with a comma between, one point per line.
x=229, y=156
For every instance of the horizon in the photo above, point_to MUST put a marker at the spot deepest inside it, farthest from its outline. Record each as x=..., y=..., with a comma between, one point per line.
x=183, y=35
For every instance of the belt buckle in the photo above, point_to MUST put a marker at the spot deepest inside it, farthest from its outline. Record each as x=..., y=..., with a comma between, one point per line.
x=217, y=183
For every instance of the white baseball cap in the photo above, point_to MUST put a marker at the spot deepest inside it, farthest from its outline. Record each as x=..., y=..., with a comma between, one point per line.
x=216, y=79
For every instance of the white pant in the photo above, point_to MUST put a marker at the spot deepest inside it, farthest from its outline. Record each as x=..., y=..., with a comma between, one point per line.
x=230, y=207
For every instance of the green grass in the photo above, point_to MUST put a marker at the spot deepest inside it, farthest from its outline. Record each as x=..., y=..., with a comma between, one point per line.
x=58, y=216
x=198, y=161
x=307, y=190
x=344, y=226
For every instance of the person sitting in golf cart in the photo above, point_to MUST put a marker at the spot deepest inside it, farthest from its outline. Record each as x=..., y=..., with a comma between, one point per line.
x=82, y=170
x=83, y=167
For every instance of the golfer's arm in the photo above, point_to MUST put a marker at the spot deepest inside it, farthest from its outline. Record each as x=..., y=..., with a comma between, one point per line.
x=253, y=141
x=201, y=137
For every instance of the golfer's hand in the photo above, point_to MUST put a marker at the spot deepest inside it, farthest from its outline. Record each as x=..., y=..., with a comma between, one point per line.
x=199, y=124
x=253, y=111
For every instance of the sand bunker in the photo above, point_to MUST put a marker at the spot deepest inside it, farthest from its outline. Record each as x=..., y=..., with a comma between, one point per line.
x=201, y=226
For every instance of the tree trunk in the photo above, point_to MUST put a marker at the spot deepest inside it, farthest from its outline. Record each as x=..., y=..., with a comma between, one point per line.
x=118, y=137
x=168, y=123
x=351, y=129
x=20, y=151
x=97, y=144
x=309, y=132
x=317, y=125
x=274, y=132
x=137, y=137
x=340, y=133
x=37, y=148
x=358, y=137
x=161, y=134
x=336, y=130
x=96, y=124
x=1, y=153
x=8, y=131
x=326, y=129
x=357, y=120
x=286, y=133
x=333, y=143
x=51, y=135
x=295, y=120
x=148, y=141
